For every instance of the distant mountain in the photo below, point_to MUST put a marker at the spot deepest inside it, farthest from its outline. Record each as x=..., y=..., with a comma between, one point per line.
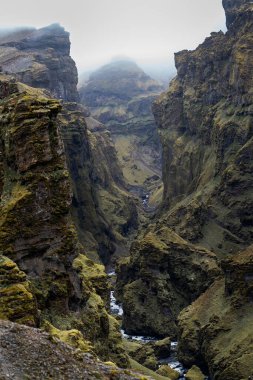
x=120, y=95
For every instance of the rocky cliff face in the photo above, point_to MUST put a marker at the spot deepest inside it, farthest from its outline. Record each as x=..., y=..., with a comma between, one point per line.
x=36, y=229
x=216, y=330
x=164, y=274
x=40, y=58
x=120, y=95
x=205, y=124
x=102, y=209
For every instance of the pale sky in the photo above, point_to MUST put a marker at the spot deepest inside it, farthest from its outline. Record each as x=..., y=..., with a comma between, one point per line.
x=145, y=30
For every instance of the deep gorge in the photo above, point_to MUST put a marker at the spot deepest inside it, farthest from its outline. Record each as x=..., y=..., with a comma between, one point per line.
x=122, y=176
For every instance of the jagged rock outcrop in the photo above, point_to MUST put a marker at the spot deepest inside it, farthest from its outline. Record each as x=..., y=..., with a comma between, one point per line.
x=40, y=58
x=164, y=274
x=26, y=352
x=17, y=302
x=120, y=95
x=36, y=228
x=102, y=209
x=216, y=330
x=205, y=123
x=36, y=231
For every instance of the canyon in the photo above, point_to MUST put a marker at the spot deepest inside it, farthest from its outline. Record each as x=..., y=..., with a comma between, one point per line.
x=105, y=201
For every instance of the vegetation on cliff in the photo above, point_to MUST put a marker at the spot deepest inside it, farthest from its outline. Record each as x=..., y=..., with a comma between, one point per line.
x=120, y=95
x=37, y=231
x=205, y=125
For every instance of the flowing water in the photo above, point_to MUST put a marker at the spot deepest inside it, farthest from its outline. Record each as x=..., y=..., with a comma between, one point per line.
x=172, y=361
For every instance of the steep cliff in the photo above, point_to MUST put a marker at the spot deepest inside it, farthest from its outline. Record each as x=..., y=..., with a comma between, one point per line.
x=120, y=95
x=40, y=58
x=101, y=208
x=163, y=275
x=205, y=124
x=37, y=231
x=216, y=330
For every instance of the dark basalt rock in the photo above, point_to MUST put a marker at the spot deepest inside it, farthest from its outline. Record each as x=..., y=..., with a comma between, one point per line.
x=205, y=124
x=216, y=330
x=120, y=95
x=165, y=274
x=37, y=231
x=40, y=58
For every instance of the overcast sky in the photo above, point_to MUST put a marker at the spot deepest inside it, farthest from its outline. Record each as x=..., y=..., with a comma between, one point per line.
x=146, y=30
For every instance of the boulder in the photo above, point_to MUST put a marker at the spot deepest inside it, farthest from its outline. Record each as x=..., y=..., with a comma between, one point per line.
x=194, y=374
x=167, y=371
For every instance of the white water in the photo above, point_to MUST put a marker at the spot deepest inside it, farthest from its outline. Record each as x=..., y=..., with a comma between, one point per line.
x=116, y=309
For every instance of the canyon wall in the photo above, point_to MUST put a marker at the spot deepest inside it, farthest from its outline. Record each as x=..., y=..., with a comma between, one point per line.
x=40, y=58
x=205, y=124
x=120, y=95
x=206, y=128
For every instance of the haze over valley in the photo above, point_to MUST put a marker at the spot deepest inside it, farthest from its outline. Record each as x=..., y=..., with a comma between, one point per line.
x=126, y=190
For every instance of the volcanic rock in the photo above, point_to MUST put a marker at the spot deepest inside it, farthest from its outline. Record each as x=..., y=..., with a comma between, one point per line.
x=205, y=125
x=216, y=330
x=40, y=58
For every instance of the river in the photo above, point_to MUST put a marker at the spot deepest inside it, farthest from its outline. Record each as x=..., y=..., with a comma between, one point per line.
x=172, y=361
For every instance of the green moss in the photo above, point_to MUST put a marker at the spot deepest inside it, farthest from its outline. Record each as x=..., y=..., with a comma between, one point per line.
x=93, y=273
x=17, y=303
x=147, y=372
x=168, y=372
x=72, y=337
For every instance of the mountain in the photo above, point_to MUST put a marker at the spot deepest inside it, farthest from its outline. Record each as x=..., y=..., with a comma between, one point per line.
x=120, y=95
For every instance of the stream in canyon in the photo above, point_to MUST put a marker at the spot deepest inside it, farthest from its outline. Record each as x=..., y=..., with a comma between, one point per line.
x=117, y=310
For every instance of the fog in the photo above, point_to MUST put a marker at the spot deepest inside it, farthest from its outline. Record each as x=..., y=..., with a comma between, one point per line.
x=148, y=31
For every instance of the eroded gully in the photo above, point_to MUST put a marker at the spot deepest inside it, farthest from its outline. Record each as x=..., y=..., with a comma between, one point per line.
x=117, y=310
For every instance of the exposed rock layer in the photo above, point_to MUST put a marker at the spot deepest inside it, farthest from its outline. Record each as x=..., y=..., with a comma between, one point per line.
x=40, y=58
x=216, y=330
x=165, y=273
x=205, y=123
x=37, y=231
x=103, y=212
x=120, y=95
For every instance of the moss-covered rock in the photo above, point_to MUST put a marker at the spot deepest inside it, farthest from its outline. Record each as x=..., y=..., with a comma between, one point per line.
x=120, y=95
x=148, y=354
x=167, y=371
x=165, y=273
x=103, y=211
x=205, y=125
x=93, y=273
x=40, y=58
x=194, y=374
x=17, y=302
x=216, y=330
x=162, y=348
x=37, y=231
x=72, y=337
